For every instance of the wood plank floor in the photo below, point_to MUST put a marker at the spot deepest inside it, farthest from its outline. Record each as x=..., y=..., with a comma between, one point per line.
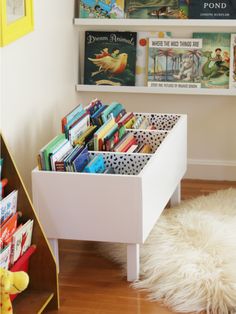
x=91, y=284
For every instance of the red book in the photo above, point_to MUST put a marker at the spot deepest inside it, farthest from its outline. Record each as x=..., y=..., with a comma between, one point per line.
x=7, y=230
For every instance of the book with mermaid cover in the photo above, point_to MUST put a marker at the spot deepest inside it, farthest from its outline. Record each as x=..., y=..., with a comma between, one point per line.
x=215, y=62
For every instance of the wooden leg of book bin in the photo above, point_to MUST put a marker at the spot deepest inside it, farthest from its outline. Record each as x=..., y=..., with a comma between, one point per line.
x=132, y=262
x=54, y=246
x=176, y=196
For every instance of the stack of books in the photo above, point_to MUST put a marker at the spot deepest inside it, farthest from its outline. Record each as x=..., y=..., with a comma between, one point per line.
x=97, y=127
x=16, y=231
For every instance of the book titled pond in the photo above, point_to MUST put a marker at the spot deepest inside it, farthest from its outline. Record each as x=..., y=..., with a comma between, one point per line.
x=215, y=59
x=110, y=58
x=113, y=9
x=156, y=9
x=174, y=63
x=212, y=9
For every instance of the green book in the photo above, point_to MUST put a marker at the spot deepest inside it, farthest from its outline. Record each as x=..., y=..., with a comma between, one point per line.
x=214, y=60
x=50, y=148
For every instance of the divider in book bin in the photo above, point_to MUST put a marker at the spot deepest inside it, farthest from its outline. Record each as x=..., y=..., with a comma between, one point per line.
x=162, y=122
x=124, y=163
x=23, y=264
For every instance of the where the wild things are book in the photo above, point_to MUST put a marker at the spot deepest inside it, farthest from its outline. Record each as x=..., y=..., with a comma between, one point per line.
x=174, y=63
x=110, y=58
x=212, y=9
x=156, y=9
x=215, y=59
x=113, y=9
x=233, y=62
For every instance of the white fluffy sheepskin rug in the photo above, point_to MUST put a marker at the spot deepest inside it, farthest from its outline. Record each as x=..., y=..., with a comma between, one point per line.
x=189, y=260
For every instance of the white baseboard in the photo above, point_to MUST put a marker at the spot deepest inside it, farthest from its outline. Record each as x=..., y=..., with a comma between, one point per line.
x=211, y=170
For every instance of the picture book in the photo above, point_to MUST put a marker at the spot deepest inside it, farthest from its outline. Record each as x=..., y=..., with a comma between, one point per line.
x=7, y=229
x=5, y=257
x=74, y=113
x=59, y=153
x=112, y=110
x=102, y=132
x=215, y=61
x=86, y=136
x=96, y=118
x=48, y=149
x=112, y=139
x=174, y=63
x=81, y=160
x=156, y=9
x=3, y=183
x=232, y=79
x=21, y=241
x=142, y=51
x=93, y=106
x=110, y=58
x=8, y=206
x=96, y=165
x=79, y=127
x=71, y=156
x=214, y=9
x=113, y=9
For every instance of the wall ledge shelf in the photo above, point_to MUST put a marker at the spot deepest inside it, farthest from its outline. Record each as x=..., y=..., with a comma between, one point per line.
x=82, y=22
x=154, y=90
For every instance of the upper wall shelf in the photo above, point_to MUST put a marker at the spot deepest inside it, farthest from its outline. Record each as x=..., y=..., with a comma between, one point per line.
x=124, y=23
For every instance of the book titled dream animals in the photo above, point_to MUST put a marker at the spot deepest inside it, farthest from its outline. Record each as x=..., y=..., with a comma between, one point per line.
x=174, y=63
x=110, y=58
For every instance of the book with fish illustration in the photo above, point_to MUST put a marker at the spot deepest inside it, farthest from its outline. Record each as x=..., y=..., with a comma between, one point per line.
x=113, y=9
x=174, y=63
x=215, y=61
x=156, y=9
x=110, y=58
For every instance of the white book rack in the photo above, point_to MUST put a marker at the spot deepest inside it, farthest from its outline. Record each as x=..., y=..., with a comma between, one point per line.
x=121, y=207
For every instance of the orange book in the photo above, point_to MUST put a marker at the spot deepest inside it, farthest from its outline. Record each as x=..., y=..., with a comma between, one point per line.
x=7, y=229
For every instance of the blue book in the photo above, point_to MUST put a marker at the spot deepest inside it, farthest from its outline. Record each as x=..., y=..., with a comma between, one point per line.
x=115, y=108
x=81, y=160
x=96, y=165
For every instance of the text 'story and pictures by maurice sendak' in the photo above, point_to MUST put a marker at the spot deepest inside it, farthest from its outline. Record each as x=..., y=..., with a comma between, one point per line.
x=212, y=9
x=232, y=79
x=174, y=63
x=215, y=61
x=156, y=9
x=110, y=58
x=113, y=9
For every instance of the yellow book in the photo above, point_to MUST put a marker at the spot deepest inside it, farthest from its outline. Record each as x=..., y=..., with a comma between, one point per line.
x=102, y=131
x=130, y=123
x=80, y=140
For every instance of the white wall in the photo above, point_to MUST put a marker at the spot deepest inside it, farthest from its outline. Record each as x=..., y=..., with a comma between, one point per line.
x=39, y=72
x=39, y=75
